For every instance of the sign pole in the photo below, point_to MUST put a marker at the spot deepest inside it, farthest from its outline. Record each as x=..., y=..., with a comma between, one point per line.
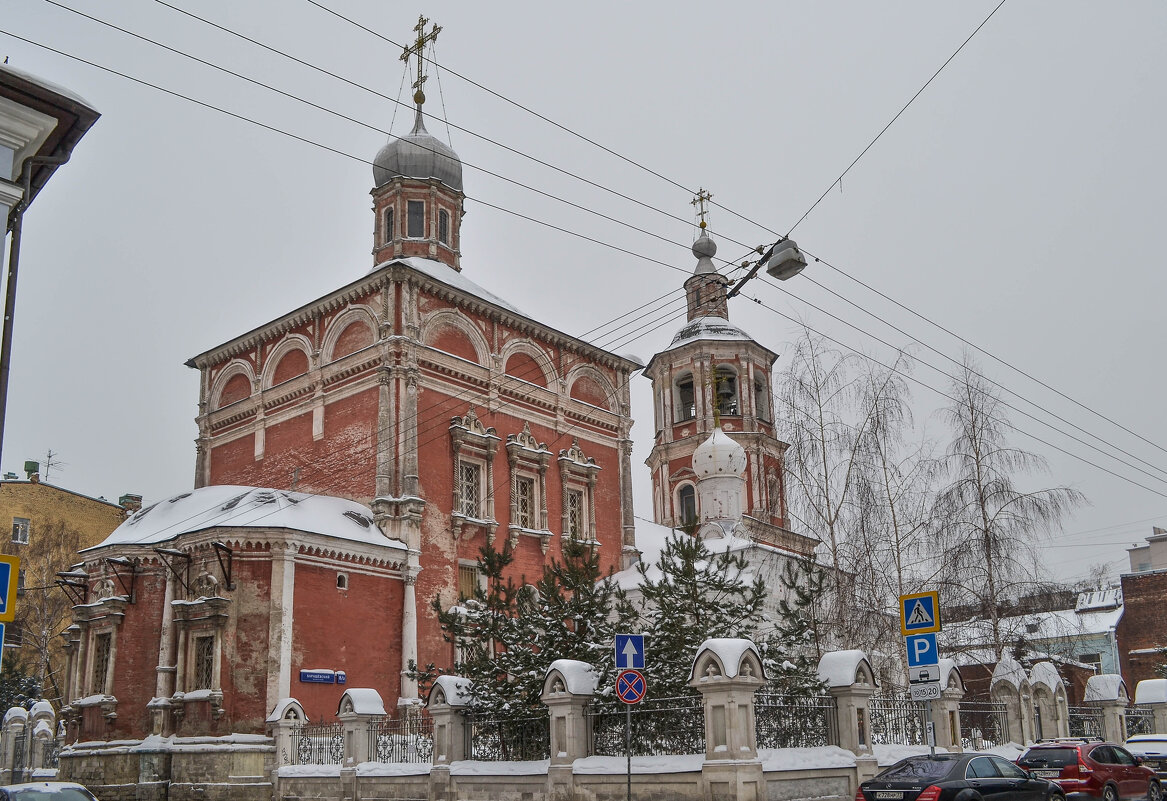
x=929, y=729
x=628, y=745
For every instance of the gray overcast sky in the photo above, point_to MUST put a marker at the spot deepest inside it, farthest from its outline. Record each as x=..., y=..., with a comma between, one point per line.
x=1019, y=201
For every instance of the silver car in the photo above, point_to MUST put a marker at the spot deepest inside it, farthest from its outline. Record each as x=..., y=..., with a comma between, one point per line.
x=45, y=791
x=1152, y=750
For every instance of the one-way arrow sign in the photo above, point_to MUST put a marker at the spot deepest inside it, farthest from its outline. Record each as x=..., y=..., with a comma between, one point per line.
x=630, y=651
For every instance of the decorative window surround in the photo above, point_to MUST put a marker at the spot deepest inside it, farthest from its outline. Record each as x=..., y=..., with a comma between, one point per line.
x=193, y=621
x=577, y=472
x=472, y=442
x=528, y=460
x=94, y=620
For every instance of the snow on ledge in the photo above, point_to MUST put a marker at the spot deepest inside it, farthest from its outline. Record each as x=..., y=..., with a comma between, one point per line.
x=579, y=677
x=1105, y=687
x=830, y=756
x=838, y=668
x=456, y=689
x=1151, y=691
x=281, y=709
x=394, y=769
x=473, y=767
x=1045, y=673
x=729, y=651
x=15, y=713
x=1009, y=670
x=607, y=765
x=365, y=700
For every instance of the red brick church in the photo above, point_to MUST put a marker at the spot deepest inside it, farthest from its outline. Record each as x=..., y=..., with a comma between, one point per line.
x=355, y=453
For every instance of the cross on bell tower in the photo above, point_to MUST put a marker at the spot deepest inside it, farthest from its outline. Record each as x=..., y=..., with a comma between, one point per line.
x=417, y=49
x=699, y=202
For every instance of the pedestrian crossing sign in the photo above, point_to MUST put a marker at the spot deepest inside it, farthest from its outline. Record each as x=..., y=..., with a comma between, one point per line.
x=920, y=613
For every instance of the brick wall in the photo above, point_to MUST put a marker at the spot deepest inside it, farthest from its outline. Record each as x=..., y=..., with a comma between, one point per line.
x=1143, y=625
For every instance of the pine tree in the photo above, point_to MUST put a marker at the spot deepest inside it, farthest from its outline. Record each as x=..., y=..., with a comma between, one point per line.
x=698, y=595
x=17, y=687
x=791, y=651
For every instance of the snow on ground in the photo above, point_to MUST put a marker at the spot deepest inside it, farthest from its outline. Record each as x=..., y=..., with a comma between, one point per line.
x=830, y=756
x=601, y=765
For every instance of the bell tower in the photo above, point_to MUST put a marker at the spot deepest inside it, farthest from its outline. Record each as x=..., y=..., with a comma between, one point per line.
x=418, y=202
x=714, y=374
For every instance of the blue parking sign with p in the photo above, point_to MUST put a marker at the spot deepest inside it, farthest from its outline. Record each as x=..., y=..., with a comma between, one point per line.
x=922, y=650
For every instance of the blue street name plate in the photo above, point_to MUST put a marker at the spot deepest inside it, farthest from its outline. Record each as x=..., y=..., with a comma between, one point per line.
x=318, y=677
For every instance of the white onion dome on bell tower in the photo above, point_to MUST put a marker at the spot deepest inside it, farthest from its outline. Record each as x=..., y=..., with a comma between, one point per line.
x=719, y=456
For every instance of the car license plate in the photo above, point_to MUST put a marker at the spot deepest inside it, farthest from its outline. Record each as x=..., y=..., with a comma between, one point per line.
x=1047, y=774
x=886, y=795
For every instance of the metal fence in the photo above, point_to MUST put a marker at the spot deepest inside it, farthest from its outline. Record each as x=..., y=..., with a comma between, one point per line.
x=896, y=720
x=51, y=755
x=1139, y=720
x=318, y=744
x=409, y=739
x=509, y=739
x=785, y=721
x=983, y=725
x=1085, y=721
x=658, y=726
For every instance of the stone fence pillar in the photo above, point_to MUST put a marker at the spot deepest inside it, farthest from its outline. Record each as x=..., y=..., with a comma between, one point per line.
x=946, y=711
x=15, y=726
x=1153, y=693
x=1107, y=693
x=282, y=723
x=359, y=707
x=727, y=673
x=568, y=688
x=448, y=702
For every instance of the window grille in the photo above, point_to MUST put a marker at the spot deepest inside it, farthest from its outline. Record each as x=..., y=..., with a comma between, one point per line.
x=525, y=502
x=469, y=488
x=444, y=227
x=102, y=644
x=467, y=581
x=204, y=663
x=20, y=529
x=575, y=513
x=416, y=221
x=686, y=407
x=389, y=225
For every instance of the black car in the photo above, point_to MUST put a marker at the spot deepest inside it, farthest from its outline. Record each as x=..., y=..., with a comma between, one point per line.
x=957, y=777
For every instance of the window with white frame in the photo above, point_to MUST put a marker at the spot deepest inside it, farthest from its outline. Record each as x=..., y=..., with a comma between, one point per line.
x=21, y=526
x=761, y=398
x=525, y=502
x=444, y=226
x=470, y=488
x=686, y=505
x=389, y=224
x=575, y=515
x=578, y=473
x=204, y=663
x=468, y=581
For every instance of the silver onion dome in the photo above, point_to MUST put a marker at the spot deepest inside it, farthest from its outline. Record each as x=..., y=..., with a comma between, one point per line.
x=419, y=155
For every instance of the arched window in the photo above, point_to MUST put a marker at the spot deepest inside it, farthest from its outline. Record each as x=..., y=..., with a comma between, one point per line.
x=389, y=224
x=444, y=226
x=686, y=505
x=725, y=383
x=761, y=398
x=686, y=399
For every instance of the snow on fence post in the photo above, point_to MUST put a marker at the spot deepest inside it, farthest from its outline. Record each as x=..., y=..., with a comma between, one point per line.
x=43, y=730
x=946, y=711
x=287, y=716
x=851, y=682
x=1107, y=692
x=1010, y=686
x=15, y=723
x=568, y=688
x=1052, y=708
x=727, y=673
x=358, y=707
x=1153, y=693
x=448, y=701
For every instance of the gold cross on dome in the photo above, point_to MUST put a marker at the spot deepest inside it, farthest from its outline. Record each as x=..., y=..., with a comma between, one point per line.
x=417, y=49
x=702, y=198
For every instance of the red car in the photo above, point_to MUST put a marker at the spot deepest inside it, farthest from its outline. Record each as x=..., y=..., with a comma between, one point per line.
x=1088, y=770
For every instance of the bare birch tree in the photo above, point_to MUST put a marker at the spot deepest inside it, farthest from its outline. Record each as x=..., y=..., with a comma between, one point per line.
x=990, y=523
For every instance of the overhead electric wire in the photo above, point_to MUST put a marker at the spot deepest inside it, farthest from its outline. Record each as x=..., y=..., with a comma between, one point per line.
x=338, y=152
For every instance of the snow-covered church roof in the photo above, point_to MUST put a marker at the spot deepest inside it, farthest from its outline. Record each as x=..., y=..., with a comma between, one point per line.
x=228, y=506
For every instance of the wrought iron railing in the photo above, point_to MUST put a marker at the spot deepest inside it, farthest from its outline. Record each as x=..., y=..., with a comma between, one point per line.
x=19, y=749
x=785, y=721
x=1085, y=721
x=1139, y=720
x=658, y=726
x=983, y=724
x=896, y=720
x=51, y=755
x=409, y=739
x=509, y=739
x=318, y=744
